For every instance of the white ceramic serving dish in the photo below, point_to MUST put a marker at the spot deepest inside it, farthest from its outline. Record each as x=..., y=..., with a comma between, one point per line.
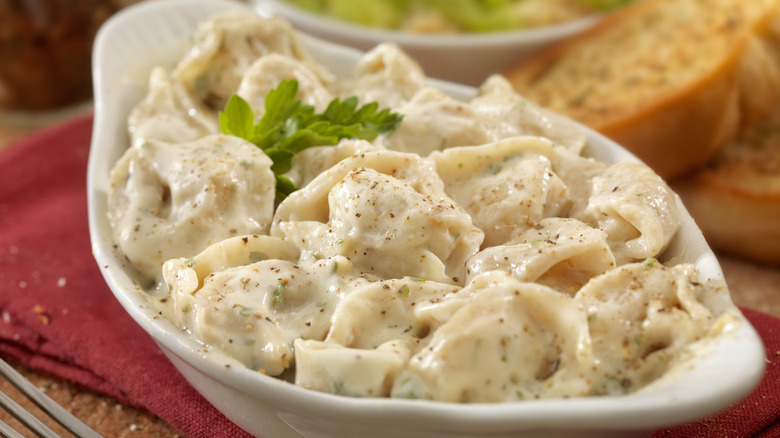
x=462, y=58
x=156, y=33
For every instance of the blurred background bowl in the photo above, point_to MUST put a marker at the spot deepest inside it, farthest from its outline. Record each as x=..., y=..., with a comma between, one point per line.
x=466, y=58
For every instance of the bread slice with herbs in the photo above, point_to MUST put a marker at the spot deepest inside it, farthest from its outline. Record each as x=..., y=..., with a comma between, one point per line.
x=735, y=199
x=671, y=80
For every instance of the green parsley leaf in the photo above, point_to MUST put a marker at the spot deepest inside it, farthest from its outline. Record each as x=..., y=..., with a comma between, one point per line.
x=238, y=118
x=288, y=126
x=284, y=186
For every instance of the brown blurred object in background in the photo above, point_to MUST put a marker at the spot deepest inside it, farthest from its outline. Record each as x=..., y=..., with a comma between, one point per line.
x=46, y=50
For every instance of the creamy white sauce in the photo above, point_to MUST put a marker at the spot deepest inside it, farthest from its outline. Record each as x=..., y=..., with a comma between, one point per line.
x=472, y=256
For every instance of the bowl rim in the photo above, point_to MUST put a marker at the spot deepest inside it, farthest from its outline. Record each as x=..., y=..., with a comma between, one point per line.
x=321, y=24
x=675, y=403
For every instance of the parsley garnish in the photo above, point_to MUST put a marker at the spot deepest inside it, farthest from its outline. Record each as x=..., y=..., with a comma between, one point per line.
x=288, y=126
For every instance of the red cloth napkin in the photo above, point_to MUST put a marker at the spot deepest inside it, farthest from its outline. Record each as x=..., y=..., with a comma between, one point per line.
x=59, y=317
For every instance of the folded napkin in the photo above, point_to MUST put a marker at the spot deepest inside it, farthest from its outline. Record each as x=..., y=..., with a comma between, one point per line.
x=59, y=317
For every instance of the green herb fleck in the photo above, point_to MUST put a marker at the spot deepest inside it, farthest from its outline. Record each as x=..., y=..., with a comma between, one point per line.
x=201, y=83
x=623, y=384
x=338, y=387
x=278, y=294
x=477, y=345
x=257, y=256
x=492, y=169
x=504, y=342
x=649, y=263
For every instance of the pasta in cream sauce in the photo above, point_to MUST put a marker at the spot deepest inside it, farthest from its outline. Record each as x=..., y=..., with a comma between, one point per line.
x=474, y=255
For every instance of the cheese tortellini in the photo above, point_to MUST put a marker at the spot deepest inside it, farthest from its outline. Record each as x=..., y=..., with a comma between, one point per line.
x=474, y=255
x=170, y=200
x=225, y=47
x=386, y=211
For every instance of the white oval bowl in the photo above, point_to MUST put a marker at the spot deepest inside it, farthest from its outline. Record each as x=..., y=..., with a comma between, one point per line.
x=462, y=58
x=157, y=33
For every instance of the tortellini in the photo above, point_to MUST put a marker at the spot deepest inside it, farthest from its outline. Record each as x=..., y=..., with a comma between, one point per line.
x=507, y=186
x=504, y=114
x=226, y=46
x=474, y=255
x=377, y=323
x=563, y=253
x=635, y=207
x=435, y=121
x=387, y=75
x=387, y=212
x=171, y=200
x=169, y=113
x=252, y=307
x=511, y=341
x=265, y=74
x=658, y=313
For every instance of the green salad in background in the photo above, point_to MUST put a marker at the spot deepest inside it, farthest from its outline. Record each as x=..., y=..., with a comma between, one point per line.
x=449, y=16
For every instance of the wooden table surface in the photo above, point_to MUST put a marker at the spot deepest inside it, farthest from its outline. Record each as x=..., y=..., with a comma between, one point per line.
x=752, y=286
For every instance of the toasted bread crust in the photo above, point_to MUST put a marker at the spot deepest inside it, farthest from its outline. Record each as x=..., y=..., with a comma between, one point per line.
x=760, y=71
x=735, y=199
x=733, y=221
x=680, y=131
x=673, y=118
